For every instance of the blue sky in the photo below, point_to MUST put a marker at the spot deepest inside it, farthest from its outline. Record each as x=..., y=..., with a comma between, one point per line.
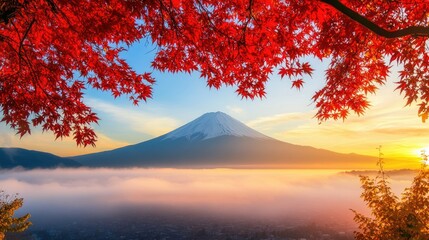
x=285, y=114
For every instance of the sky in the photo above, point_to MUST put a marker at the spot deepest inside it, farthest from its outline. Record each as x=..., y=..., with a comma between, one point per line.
x=285, y=114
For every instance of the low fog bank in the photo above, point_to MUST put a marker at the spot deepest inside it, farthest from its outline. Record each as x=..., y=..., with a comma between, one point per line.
x=64, y=196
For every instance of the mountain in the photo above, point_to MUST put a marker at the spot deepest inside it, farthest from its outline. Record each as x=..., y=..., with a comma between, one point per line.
x=29, y=159
x=218, y=140
x=212, y=125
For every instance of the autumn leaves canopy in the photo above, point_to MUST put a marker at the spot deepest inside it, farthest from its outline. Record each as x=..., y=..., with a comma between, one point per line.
x=51, y=50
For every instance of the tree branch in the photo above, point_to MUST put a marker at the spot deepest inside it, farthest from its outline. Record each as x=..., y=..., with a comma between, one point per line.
x=21, y=44
x=413, y=30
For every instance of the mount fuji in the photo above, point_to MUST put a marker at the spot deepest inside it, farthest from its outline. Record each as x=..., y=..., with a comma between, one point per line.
x=217, y=140
x=212, y=125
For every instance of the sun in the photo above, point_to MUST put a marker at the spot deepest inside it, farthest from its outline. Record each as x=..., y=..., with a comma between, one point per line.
x=424, y=155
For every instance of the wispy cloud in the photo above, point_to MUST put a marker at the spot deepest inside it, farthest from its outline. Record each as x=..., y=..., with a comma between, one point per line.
x=43, y=141
x=386, y=123
x=279, y=119
x=5, y=138
x=138, y=121
x=234, y=109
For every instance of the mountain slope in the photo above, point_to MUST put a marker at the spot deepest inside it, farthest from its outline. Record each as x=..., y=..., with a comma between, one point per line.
x=211, y=125
x=29, y=159
x=218, y=140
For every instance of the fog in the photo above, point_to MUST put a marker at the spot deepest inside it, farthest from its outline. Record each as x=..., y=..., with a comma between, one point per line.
x=295, y=195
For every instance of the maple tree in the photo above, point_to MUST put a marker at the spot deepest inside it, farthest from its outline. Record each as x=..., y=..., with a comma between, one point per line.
x=51, y=50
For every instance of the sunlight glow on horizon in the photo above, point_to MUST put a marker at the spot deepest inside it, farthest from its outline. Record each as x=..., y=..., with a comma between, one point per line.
x=424, y=156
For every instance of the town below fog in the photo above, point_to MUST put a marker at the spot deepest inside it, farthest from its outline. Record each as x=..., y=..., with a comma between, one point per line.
x=184, y=227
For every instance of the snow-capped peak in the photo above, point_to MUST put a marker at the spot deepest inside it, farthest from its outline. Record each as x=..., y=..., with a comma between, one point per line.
x=211, y=125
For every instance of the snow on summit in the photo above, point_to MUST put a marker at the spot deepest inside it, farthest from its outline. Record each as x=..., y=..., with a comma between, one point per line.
x=211, y=125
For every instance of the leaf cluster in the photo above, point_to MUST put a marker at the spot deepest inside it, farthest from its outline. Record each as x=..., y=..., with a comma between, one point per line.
x=8, y=222
x=392, y=217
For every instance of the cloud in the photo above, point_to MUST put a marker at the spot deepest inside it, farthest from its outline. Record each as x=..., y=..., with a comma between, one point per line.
x=404, y=131
x=233, y=109
x=307, y=194
x=43, y=141
x=5, y=139
x=387, y=123
x=138, y=121
x=126, y=119
x=279, y=119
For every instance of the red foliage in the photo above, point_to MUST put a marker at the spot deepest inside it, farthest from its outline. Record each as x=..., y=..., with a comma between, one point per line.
x=50, y=50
